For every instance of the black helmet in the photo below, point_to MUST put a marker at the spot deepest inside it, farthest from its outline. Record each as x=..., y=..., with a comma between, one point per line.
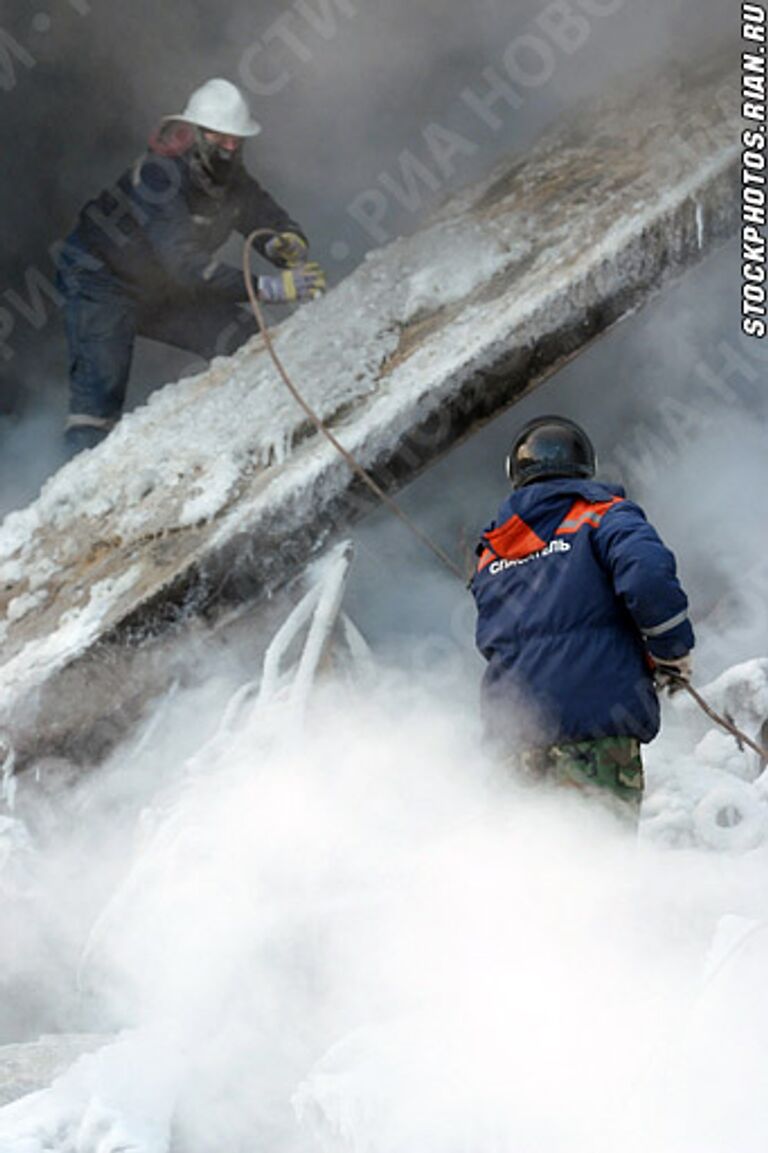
x=550, y=446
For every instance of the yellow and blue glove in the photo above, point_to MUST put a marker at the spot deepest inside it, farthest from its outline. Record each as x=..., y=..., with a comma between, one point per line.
x=286, y=250
x=305, y=283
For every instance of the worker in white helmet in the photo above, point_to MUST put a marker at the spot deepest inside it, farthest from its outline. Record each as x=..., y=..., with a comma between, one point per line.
x=141, y=259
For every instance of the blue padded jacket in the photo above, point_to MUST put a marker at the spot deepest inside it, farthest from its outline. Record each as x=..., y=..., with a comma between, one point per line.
x=574, y=588
x=157, y=230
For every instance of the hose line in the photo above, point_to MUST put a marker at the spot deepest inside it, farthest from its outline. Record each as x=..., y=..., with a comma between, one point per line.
x=318, y=423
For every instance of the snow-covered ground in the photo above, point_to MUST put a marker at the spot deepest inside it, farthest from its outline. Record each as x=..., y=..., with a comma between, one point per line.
x=362, y=935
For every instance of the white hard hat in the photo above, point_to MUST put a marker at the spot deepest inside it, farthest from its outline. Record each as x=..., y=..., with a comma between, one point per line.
x=220, y=107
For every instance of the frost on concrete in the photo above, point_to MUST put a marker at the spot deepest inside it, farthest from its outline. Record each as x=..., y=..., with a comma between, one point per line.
x=27, y=1067
x=108, y=1100
x=218, y=488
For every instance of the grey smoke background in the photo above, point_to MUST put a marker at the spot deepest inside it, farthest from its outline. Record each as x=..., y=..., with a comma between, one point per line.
x=341, y=87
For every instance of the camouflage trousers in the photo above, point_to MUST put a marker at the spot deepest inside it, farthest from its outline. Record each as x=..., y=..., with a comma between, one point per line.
x=611, y=766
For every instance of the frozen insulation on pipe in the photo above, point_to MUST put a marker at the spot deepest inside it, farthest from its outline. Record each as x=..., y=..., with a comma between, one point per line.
x=218, y=490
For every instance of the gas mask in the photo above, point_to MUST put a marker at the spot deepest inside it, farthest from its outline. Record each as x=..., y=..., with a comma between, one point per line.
x=218, y=163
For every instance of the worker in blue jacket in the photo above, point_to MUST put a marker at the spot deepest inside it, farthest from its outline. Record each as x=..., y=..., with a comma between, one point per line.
x=581, y=618
x=141, y=259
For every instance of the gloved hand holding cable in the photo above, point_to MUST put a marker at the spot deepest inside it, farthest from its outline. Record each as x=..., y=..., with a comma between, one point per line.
x=672, y=675
x=286, y=250
x=300, y=284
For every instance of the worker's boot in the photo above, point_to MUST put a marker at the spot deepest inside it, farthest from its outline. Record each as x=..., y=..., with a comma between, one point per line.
x=83, y=436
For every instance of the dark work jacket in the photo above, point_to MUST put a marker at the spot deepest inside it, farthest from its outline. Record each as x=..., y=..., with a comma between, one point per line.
x=157, y=229
x=573, y=589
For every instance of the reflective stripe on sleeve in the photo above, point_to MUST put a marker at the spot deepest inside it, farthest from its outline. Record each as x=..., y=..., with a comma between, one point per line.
x=85, y=420
x=666, y=626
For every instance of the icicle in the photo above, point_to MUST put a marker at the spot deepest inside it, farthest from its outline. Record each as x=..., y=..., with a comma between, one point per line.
x=8, y=772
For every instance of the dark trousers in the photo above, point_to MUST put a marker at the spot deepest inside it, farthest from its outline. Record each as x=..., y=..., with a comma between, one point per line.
x=103, y=320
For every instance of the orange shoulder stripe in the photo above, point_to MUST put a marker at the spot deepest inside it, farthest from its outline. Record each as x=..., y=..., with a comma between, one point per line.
x=486, y=557
x=584, y=512
x=511, y=541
